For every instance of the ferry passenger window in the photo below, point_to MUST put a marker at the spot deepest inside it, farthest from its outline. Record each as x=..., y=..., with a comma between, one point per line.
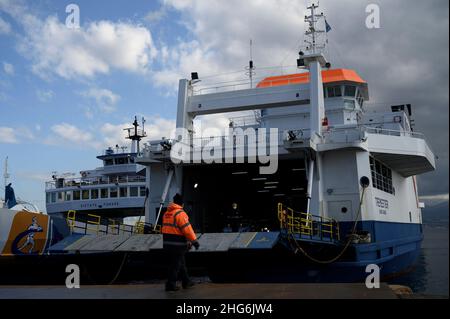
x=133, y=192
x=53, y=197
x=113, y=192
x=350, y=91
x=131, y=160
x=76, y=195
x=60, y=196
x=85, y=194
x=337, y=91
x=104, y=193
x=68, y=196
x=142, y=191
x=48, y=198
x=381, y=176
x=94, y=193
x=123, y=192
x=109, y=162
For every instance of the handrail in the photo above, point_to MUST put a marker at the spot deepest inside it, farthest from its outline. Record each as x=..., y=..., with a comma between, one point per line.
x=306, y=224
x=107, y=180
x=110, y=227
x=383, y=131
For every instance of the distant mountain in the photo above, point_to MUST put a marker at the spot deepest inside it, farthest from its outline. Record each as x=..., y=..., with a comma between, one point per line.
x=436, y=214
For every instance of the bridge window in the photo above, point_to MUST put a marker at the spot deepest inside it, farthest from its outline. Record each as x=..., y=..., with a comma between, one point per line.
x=121, y=161
x=76, y=195
x=334, y=91
x=104, y=192
x=350, y=90
x=360, y=98
x=381, y=176
x=109, y=162
x=94, y=193
x=134, y=192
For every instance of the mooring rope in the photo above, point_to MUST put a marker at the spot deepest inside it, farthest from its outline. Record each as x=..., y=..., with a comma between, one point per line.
x=299, y=248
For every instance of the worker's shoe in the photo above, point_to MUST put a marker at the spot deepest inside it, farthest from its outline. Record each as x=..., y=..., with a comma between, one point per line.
x=188, y=285
x=172, y=288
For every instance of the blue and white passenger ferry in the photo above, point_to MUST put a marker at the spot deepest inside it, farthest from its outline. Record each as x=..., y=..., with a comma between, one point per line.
x=343, y=195
x=115, y=190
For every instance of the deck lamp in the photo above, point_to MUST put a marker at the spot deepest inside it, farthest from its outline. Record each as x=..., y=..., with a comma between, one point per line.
x=194, y=78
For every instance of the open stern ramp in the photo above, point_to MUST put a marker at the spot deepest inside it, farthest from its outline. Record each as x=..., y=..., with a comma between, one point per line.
x=209, y=242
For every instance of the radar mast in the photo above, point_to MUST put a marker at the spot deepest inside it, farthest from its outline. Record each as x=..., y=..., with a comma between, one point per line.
x=136, y=135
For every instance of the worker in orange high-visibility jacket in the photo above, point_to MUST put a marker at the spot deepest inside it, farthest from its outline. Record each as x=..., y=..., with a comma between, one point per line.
x=178, y=238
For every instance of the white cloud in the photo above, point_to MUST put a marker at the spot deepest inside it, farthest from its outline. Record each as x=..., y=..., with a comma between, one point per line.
x=88, y=113
x=5, y=27
x=221, y=35
x=7, y=135
x=108, y=135
x=98, y=47
x=39, y=177
x=45, y=95
x=8, y=68
x=66, y=133
x=155, y=16
x=105, y=99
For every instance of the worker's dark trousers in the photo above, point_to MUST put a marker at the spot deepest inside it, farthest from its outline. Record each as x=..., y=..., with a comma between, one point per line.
x=176, y=265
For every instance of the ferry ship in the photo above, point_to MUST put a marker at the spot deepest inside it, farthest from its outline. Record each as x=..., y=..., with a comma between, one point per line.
x=318, y=187
x=344, y=194
x=116, y=190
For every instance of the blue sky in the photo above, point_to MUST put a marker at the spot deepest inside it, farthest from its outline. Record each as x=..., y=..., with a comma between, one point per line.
x=31, y=104
x=66, y=94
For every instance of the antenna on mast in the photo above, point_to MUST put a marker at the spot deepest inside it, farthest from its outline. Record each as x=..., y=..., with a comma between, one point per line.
x=316, y=31
x=136, y=135
x=251, y=67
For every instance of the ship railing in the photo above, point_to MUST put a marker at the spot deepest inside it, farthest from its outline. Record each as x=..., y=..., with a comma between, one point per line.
x=242, y=139
x=243, y=121
x=234, y=82
x=78, y=182
x=224, y=141
x=306, y=225
x=343, y=134
x=91, y=224
x=382, y=131
x=348, y=134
